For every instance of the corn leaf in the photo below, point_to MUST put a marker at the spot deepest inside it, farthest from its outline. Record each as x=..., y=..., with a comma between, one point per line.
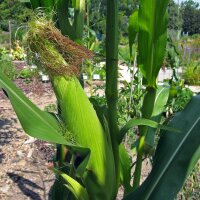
x=142, y=122
x=125, y=169
x=63, y=20
x=162, y=95
x=36, y=123
x=133, y=29
x=175, y=157
x=45, y=4
x=75, y=187
x=152, y=38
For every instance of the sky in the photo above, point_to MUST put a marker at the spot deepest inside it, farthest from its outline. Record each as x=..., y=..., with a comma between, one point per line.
x=184, y=0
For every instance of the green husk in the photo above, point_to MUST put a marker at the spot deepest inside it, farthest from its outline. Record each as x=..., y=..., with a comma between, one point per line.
x=61, y=57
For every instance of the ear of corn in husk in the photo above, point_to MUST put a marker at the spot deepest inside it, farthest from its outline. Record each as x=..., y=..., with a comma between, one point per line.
x=62, y=58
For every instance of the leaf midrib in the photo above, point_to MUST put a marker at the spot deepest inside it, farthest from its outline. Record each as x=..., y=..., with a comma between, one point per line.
x=171, y=159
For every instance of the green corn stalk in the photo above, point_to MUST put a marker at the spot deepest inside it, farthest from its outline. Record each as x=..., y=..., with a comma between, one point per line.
x=81, y=124
x=151, y=48
x=112, y=76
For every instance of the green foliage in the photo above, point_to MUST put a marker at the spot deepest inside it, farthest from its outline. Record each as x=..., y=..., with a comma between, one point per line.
x=175, y=16
x=191, y=188
x=191, y=73
x=6, y=65
x=93, y=161
x=4, y=39
x=52, y=108
x=151, y=43
x=26, y=73
x=13, y=10
x=168, y=173
x=191, y=14
x=18, y=52
x=172, y=54
x=180, y=99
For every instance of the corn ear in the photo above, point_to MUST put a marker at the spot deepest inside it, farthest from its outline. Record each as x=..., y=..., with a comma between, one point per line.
x=81, y=120
x=61, y=58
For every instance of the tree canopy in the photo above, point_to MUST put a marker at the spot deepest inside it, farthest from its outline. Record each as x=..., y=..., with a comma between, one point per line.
x=13, y=10
x=191, y=17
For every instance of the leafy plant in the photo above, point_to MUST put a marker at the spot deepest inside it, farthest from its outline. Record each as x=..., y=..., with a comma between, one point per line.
x=179, y=100
x=18, y=52
x=191, y=73
x=6, y=65
x=25, y=73
x=91, y=159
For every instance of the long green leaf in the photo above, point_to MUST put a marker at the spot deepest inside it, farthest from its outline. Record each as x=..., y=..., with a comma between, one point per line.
x=162, y=95
x=175, y=156
x=125, y=169
x=152, y=38
x=142, y=122
x=75, y=187
x=44, y=3
x=133, y=29
x=36, y=123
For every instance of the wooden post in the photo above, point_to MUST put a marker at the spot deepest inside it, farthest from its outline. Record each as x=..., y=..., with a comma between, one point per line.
x=10, y=33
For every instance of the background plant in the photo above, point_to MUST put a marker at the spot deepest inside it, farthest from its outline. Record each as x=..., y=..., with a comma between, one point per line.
x=6, y=65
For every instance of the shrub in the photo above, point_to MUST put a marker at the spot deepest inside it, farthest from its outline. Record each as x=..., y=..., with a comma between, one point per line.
x=192, y=74
x=6, y=65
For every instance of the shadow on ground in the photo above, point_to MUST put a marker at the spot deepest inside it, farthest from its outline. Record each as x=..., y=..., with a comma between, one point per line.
x=6, y=131
x=26, y=186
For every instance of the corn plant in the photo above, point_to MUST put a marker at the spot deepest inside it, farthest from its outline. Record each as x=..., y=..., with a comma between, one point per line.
x=93, y=162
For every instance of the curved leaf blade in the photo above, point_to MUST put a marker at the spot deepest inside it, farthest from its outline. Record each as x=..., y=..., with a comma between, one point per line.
x=175, y=157
x=36, y=123
x=162, y=95
x=152, y=38
x=125, y=169
x=133, y=29
x=75, y=187
x=142, y=122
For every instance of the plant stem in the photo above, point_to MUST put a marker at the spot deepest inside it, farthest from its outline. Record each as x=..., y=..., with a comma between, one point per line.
x=63, y=21
x=88, y=22
x=79, y=19
x=147, y=109
x=132, y=79
x=112, y=75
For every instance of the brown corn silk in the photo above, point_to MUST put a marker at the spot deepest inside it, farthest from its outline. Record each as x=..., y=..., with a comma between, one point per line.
x=57, y=53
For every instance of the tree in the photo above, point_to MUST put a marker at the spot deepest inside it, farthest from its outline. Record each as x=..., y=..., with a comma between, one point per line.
x=98, y=14
x=175, y=17
x=13, y=10
x=191, y=17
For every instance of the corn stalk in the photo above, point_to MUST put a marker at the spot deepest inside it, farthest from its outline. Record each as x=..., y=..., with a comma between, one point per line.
x=112, y=76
